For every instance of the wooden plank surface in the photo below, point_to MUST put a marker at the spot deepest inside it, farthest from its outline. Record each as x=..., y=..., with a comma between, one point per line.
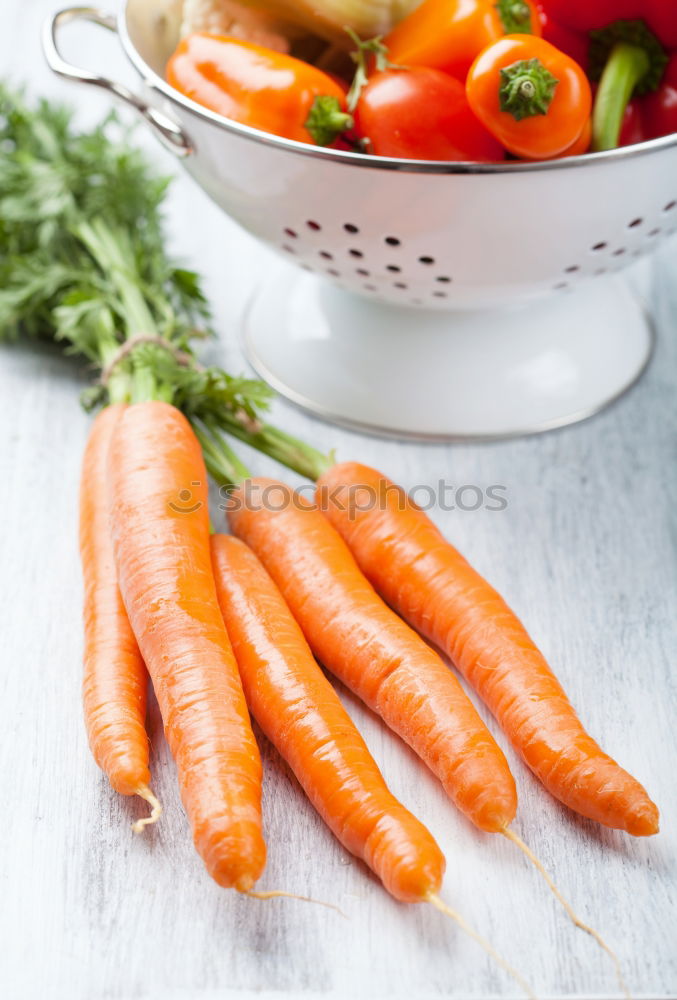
x=585, y=552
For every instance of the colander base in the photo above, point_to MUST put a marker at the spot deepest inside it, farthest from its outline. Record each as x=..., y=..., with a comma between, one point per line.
x=429, y=375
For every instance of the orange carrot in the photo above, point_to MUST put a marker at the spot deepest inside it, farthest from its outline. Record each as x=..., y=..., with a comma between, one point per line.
x=372, y=651
x=432, y=586
x=160, y=528
x=115, y=678
x=301, y=714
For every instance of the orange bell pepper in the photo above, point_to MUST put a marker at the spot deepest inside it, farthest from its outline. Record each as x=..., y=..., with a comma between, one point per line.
x=260, y=87
x=533, y=98
x=449, y=34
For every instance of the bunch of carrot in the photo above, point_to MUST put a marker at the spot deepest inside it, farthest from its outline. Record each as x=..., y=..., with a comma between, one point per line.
x=227, y=625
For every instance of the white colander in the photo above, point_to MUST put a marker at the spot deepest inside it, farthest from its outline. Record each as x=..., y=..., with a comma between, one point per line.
x=419, y=298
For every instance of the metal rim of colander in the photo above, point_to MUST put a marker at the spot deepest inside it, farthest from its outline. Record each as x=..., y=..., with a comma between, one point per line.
x=378, y=162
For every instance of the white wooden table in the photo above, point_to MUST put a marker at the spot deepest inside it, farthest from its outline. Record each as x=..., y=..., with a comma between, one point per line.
x=585, y=552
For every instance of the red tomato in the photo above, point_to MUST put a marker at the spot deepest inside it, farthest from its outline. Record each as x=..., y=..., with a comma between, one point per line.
x=422, y=114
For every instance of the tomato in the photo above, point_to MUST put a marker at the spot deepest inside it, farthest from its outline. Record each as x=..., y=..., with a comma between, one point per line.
x=422, y=114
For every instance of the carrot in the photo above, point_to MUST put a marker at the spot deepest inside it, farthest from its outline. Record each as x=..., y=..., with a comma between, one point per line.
x=432, y=586
x=160, y=528
x=372, y=651
x=115, y=678
x=301, y=714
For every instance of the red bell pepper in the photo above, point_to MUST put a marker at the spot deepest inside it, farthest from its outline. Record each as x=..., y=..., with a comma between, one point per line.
x=592, y=15
x=574, y=43
x=633, y=129
x=630, y=44
x=661, y=16
x=659, y=110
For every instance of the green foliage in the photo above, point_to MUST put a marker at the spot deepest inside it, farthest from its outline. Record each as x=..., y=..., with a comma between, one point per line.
x=83, y=261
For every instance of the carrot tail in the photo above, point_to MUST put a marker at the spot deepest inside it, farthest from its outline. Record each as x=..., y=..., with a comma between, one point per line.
x=482, y=942
x=266, y=894
x=569, y=910
x=144, y=792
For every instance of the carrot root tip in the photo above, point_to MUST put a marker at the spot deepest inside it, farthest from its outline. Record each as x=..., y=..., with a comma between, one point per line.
x=569, y=910
x=144, y=792
x=482, y=942
x=275, y=893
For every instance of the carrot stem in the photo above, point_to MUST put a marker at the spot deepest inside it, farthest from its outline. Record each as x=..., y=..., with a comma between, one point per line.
x=156, y=809
x=481, y=941
x=223, y=465
x=571, y=913
x=283, y=448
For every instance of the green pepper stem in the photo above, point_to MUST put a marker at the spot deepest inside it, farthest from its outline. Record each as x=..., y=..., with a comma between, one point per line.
x=515, y=17
x=326, y=120
x=626, y=66
x=526, y=89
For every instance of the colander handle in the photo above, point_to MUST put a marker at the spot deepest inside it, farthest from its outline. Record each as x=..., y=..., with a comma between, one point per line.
x=167, y=131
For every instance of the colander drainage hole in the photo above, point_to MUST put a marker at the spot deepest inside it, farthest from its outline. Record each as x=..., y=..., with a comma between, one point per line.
x=654, y=232
x=426, y=260
x=350, y=228
x=292, y=233
x=670, y=205
x=363, y=271
x=635, y=223
x=356, y=253
x=600, y=246
x=315, y=226
x=571, y=269
x=394, y=268
x=326, y=255
x=443, y=279
x=619, y=252
x=399, y=284
x=392, y=241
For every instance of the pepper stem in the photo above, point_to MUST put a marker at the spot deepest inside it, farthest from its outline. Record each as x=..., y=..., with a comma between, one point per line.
x=626, y=66
x=326, y=120
x=526, y=89
x=515, y=17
